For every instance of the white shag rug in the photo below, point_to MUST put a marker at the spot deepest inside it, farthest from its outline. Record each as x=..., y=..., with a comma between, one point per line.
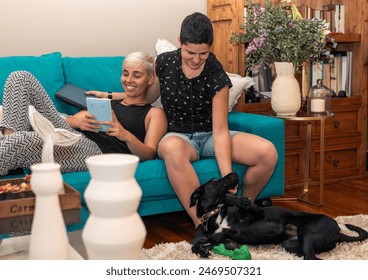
x=343, y=251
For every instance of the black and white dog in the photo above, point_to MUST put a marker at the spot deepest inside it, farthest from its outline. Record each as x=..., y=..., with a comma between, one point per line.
x=234, y=220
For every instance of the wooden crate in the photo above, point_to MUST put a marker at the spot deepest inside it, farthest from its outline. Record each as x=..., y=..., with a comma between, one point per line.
x=25, y=206
x=24, y=223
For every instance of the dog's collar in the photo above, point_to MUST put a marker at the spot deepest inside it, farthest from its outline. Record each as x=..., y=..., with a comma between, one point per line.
x=204, y=219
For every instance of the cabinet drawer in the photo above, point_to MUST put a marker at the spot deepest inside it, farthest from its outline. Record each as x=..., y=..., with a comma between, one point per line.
x=338, y=161
x=345, y=122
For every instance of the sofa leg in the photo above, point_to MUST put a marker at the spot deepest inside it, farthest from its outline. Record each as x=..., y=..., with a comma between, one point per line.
x=264, y=202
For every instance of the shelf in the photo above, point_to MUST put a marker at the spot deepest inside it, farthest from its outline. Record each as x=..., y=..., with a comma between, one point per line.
x=345, y=38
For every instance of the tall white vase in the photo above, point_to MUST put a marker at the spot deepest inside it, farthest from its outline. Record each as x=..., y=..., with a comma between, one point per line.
x=49, y=240
x=114, y=230
x=285, y=92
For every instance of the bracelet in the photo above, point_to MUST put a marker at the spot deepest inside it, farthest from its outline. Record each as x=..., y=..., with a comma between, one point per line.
x=109, y=95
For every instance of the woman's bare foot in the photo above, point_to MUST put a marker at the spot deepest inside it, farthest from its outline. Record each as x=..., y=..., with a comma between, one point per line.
x=7, y=131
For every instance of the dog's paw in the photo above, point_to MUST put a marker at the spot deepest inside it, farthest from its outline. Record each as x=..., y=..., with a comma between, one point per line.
x=244, y=203
x=201, y=250
x=230, y=244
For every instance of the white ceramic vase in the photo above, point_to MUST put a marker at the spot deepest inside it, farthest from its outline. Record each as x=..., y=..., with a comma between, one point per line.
x=49, y=240
x=114, y=230
x=285, y=92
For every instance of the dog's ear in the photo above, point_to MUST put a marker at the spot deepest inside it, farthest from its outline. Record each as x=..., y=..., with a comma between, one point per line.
x=195, y=196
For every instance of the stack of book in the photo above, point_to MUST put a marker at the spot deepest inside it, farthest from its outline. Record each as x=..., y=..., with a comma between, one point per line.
x=336, y=75
x=334, y=14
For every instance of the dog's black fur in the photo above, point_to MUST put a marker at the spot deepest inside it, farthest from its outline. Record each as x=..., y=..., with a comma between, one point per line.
x=234, y=220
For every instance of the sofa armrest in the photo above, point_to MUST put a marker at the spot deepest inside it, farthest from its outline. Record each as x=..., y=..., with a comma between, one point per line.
x=253, y=123
x=267, y=127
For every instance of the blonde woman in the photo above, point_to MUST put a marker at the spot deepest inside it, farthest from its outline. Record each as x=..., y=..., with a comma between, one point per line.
x=136, y=128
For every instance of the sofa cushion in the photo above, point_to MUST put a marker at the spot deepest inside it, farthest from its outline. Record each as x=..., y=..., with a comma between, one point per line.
x=94, y=73
x=47, y=68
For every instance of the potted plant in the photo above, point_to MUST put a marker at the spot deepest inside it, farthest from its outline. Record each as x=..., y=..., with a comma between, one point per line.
x=276, y=34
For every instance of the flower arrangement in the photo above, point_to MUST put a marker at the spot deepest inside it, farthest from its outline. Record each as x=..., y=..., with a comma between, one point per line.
x=279, y=33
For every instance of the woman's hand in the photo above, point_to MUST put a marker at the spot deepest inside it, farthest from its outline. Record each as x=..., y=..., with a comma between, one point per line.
x=100, y=94
x=234, y=191
x=83, y=120
x=116, y=129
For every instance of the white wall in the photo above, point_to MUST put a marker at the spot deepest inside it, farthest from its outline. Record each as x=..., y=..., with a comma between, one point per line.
x=90, y=27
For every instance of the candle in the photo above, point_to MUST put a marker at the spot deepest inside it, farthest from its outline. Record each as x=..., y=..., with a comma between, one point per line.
x=318, y=105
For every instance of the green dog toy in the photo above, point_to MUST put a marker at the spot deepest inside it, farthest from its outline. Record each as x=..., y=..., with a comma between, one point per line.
x=241, y=253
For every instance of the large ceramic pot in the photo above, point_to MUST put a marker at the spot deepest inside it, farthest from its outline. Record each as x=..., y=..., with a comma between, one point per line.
x=285, y=92
x=114, y=229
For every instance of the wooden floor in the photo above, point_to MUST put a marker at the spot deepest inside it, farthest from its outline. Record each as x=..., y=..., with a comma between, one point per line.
x=340, y=199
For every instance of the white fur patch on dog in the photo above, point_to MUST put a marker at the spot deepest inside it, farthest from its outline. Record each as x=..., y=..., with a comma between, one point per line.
x=222, y=223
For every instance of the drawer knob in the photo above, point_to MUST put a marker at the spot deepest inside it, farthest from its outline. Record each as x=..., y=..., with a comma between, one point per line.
x=336, y=124
x=336, y=162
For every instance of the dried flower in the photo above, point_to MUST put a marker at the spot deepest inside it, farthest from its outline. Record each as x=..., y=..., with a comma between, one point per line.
x=273, y=33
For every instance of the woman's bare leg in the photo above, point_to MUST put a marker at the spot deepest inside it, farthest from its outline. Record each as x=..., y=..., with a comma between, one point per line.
x=260, y=155
x=22, y=147
x=178, y=155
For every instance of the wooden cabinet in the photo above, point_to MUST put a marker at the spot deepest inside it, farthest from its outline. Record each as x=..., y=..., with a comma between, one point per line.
x=346, y=132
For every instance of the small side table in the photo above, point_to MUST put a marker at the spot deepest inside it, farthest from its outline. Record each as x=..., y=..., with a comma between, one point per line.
x=309, y=118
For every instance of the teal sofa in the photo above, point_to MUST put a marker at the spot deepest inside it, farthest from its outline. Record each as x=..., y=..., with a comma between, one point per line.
x=103, y=73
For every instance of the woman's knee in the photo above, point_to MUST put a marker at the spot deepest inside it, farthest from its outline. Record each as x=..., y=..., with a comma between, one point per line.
x=19, y=82
x=173, y=148
x=269, y=153
x=21, y=76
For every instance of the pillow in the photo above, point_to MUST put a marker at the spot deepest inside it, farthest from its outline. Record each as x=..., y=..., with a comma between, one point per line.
x=94, y=73
x=47, y=68
x=163, y=45
x=239, y=83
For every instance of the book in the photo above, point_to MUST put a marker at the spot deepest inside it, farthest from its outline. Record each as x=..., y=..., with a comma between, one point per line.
x=101, y=109
x=333, y=77
x=73, y=95
x=341, y=72
x=342, y=18
x=348, y=87
x=335, y=16
x=342, y=63
x=327, y=75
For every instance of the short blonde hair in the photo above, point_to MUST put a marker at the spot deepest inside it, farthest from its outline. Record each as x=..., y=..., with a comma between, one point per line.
x=137, y=58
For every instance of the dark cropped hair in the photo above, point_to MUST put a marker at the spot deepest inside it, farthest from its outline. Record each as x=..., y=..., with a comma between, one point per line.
x=196, y=29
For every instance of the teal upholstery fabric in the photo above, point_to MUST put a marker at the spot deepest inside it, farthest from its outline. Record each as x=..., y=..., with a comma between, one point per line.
x=94, y=73
x=46, y=68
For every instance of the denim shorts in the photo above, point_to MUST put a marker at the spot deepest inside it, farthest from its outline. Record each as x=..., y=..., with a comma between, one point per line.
x=202, y=142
